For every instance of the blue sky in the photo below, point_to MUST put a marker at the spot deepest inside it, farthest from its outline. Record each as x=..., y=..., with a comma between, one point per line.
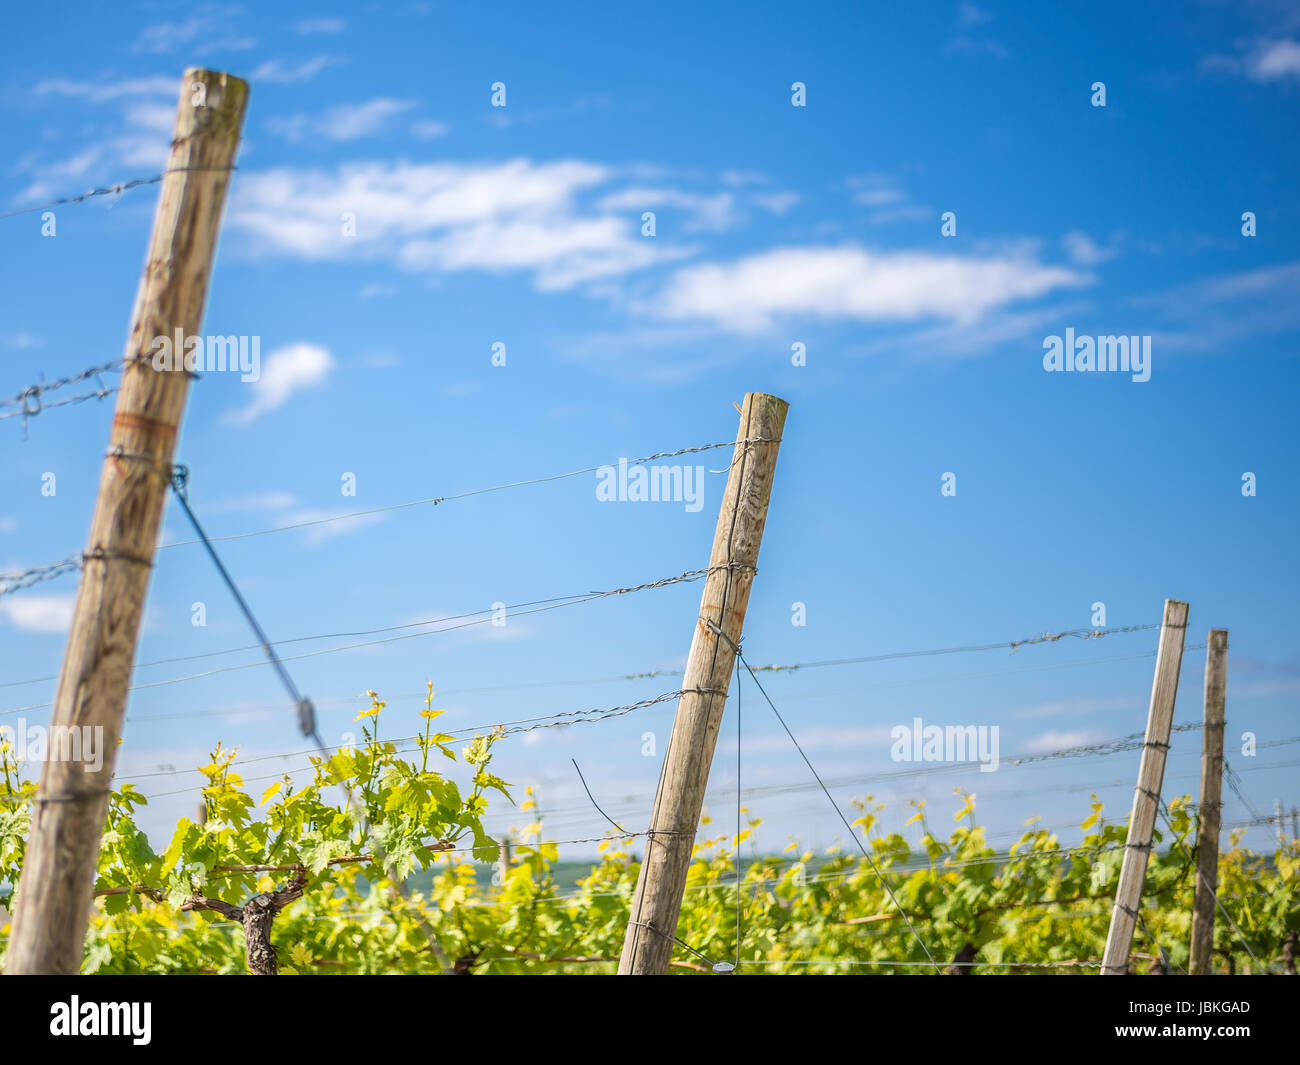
x=775, y=225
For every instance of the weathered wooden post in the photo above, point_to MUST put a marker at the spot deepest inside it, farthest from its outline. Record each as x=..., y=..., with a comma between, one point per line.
x=679, y=799
x=1207, y=831
x=1146, y=798
x=54, y=892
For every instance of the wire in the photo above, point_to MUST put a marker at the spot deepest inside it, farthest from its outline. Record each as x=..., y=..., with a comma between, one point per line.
x=831, y=800
x=306, y=712
x=111, y=190
x=563, y=601
x=436, y=500
x=737, y=854
x=1164, y=813
x=1013, y=645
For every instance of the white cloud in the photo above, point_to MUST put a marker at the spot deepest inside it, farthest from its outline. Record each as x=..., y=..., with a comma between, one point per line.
x=258, y=501
x=741, y=178
x=776, y=202
x=1053, y=741
x=140, y=138
x=99, y=92
x=319, y=25
x=1264, y=688
x=753, y=293
x=970, y=15
x=284, y=371
x=280, y=71
x=1077, y=707
x=886, y=199
x=704, y=212
x=1270, y=59
x=199, y=34
x=1220, y=312
x=1020, y=328
x=347, y=122
x=426, y=130
x=1274, y=61
x=1084, y=251
x=516, y=215
x=875, y=190
x=22, y=341
x=39, y=613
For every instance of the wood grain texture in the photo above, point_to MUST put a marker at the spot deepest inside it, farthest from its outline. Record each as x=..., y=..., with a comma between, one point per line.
x=1207, y=830
x=1146, y=798
x=54, y=892
x=679, y=799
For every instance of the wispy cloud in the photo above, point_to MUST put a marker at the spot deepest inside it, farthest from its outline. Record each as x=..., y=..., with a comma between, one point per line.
x=1084, y=251
x=138, y=137
x=1220, y=311
x=1078, y=707
x=23, y=341
x=347, y=122
x=1055, y=740
x=200, y=34
x=441, y=218
x=285, y=72
x=849, y=282
x=876, y=190
x=715, y=213
x=1275, y=61
x=886, y=199
x=1266, y=60
x=42, y=614
x=427, y=130
x=258, y=501
x=968, y=35
x=101, y=91
x=285, y=371
x=319, y=25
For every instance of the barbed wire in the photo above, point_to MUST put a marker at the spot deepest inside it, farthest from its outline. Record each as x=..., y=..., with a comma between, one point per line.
x=577, y=600
x=1013, y=645
x=437, y=500
x=19, y=579
x=1130, y=742
x=34, y=392
x=432, y=501
x=107, y=190
x=528, y=686
x=644, y=675
x=117, y=189
x=31, y=401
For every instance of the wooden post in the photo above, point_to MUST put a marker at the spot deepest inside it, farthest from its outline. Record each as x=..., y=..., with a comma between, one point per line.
x=503, y=861
x=54, y=892
x=1207, y=832
x=680, y=796
x=1146, y=798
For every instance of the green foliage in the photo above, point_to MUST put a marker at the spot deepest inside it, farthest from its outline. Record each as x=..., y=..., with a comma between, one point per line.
x=1036, y=903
